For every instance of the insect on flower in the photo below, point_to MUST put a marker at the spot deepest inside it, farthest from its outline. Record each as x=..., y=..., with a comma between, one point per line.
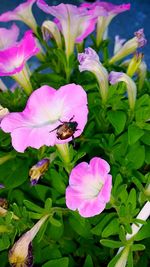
x=66, y=129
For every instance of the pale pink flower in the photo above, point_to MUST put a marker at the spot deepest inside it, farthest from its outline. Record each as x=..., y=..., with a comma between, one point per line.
x=13, y=60
x=8, y=37
x=74, y=22
x=46, y=110
x=89, y=61
x=103, y=21
x=89, y=187
x=23, y=12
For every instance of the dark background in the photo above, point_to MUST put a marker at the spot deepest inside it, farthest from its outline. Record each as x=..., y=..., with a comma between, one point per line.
x=124, y=24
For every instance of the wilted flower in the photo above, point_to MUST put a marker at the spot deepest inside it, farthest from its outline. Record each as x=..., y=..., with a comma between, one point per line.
x=8, y=37
x=74, y=22
x=13, y=60
x=89, y=187
x=38, y=124
x=3, y=112
x=21, y=253
x=49, y=28
x=23, y=12
x=130, y=46
x=110, y=11
x=3, y=203
x=115, y=77
x=89, y=60
x=38, y=170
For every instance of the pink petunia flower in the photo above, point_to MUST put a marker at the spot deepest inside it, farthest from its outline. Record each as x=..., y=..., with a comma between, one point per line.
x=13, y=60
x=46, y=110
x=89, y=187
x=103, y=21
x=8, y=37
x=23, y=12
x=74, y=22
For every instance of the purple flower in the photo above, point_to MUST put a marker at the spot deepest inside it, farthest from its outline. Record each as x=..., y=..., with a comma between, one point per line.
x=89, y=187
x=74, y=22
x=89, y=61
x=2, y=186
x=23, y=12
x=8, y=37
x=38, y=170
x=115, y=77
x=109, y=12
x=46, y=110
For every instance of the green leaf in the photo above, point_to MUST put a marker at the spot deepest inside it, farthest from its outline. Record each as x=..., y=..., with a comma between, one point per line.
x=55, y=222
x=97, y=230
x=31, y=206
x=57, y=181
x=80, y=225
x=136, y=155
x=134, y=134
x=111, y=229
x=132, y=198
x=88, y=262
x=63, y=262
x=138, y=247
x=144, y=232
x=48, y=205
x=118, y=120
x=111, y=243
x=14, y=173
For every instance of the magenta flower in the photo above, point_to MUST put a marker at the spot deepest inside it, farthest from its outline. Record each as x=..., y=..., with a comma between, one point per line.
x=75, y=23
x=103, y=21
x=13, y=60
x=46, y=110
x=89, y=187
x=23, y=12
x=8, y=37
